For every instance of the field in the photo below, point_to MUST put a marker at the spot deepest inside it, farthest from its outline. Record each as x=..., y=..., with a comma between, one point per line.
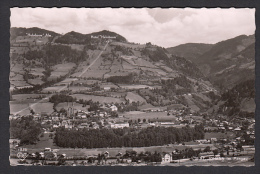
x=53, y=89
x=66, y=105
x=191, y=104
x=37, y=71
x=135, y=86
x=127, y=66
x=219, y=135
x=154, y=71
x=18, y=107
x=100, y=99
x=16, y=77
x=117, y=94
x=77, y=47
x=78, y=88
x=133, y=97
x=129, y=45
x=145, y=63
x=60, y=70
x=19, y=83
x=152, y=116
x=37, y=108
x=35, y=81
x=20, y=97
x=66, y=81
x=166, y=68
x=31, y=39
x=95, y=70
x=18, y=50
x=248, y=105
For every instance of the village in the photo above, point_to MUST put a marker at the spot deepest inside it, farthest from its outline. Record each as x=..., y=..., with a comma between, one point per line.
x=224, y=139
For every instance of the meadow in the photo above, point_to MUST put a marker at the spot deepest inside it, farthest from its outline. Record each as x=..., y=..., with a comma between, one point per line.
x=26, y=106
x=53, y=89
x=133, y=97
x=152, y=116
x=100, y=99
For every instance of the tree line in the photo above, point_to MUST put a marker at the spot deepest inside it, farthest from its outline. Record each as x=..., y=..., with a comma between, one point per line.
x=128, y=79
x=127, y=137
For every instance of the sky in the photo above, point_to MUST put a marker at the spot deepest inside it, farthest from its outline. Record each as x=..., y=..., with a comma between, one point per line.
x=163, y=27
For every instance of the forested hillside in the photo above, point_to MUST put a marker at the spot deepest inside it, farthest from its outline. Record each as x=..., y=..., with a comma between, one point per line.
x=190, y=50
x=234, y=97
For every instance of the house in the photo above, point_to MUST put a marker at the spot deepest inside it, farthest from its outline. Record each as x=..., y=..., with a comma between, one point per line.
x=68, y=126
x=237, y=129
x=113, y=108
x=106, y=88
x=95, y=126
x=166, y=157
x=36, y=117
x=55, y=126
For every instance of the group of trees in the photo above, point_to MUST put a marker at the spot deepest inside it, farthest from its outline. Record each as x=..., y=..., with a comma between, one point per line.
x=55, y=54
x=156, y=55
x=128, y=79
x=169, y=86
x=60, y=98
x=25, y=129
x=185, y=66
x=127, y=137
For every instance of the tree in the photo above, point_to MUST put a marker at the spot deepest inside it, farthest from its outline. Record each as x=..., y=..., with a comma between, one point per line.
x=207, y=149
x=61, y=160
x=32, y=112
x=215, y=152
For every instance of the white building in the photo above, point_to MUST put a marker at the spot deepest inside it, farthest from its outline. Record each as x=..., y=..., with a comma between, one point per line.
x=119, y=125
x=113, y=108
x=166, y=158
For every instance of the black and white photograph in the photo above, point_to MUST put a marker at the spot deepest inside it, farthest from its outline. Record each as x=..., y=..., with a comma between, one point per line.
x=132, y=86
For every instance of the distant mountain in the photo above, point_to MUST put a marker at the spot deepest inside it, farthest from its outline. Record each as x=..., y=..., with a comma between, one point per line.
x=225, y=63
x=72, y=38
x=78, y=38
x=223, y=54
x=190, y=51
x=14, y=32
